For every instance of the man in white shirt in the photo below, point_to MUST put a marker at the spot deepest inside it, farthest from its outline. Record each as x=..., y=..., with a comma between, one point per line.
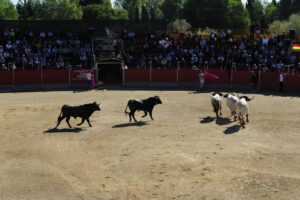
x=281, y=81
x=201, y=79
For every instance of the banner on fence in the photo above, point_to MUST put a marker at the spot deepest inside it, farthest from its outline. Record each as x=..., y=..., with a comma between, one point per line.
x=81, y=75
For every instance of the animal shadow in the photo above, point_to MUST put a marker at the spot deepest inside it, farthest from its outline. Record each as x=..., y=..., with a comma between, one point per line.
x=130, y=124
x=223, y=121
x=207, y=120
x=64, y=130
x=232, y=129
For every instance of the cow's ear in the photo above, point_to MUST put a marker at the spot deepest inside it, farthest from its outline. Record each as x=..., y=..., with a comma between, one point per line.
x=213, y=93
x=95, y=102
x=220, y=94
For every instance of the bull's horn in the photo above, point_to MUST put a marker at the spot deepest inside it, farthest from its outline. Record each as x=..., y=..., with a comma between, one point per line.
x=252, y=98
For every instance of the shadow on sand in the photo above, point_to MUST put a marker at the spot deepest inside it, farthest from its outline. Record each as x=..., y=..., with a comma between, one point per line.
x=207, y=120
x=232, y=129
x=130, y=124
x=223, y=121
x=65, y=130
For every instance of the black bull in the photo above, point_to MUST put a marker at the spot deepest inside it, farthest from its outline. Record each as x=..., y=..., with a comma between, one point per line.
x=145, y=105
x=83, y=111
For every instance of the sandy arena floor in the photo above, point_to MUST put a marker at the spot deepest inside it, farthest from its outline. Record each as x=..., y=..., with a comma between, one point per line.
x=183, y=154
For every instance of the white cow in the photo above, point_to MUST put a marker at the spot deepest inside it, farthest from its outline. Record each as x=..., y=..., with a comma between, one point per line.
x=242, y=109
x=216, y=102
x=231, y=102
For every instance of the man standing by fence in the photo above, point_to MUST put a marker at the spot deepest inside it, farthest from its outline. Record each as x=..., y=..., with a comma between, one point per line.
x=201, y=80
x=281, y=81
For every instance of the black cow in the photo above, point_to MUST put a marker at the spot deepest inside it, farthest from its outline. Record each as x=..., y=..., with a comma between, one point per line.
x=145, y=105
x=83, y=111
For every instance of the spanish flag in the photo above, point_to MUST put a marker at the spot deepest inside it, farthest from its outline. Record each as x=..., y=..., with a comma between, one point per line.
x=296, y=47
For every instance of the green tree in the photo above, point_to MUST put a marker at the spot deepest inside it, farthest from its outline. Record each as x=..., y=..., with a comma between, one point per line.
x=94, y=2
x=284, y=26
x=171, y=9
x=288, y=7
x=99, y=9
x=7, y=10
x=25, y=10
x=271, y=12
x=135, y=11
x=119, y=14
x=144, y=15
x=50, y=10
x=202, y=13
x=256, y=11
x=179, y=26
x=237, y=15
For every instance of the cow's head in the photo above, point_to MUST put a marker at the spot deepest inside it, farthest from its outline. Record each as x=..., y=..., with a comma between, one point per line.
x=246, y=98
x=219, y=93
x=157, y=100
x=96, y=106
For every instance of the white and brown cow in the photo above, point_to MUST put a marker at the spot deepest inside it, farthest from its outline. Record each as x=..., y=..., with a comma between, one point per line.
x=231, y=102
x=242, y=109
x=216, y=102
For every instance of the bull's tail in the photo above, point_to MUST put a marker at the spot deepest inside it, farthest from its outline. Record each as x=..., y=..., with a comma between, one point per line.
x=126, y=113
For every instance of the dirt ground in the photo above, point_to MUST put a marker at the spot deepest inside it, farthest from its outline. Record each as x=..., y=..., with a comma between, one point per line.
x=183, y=154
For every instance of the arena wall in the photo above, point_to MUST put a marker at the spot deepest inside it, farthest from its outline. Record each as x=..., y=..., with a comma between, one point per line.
x=46, y=76
x=268, y=80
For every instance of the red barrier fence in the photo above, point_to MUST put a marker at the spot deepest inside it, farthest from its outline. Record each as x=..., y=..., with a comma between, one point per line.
x=268, y=80
x=46, y=76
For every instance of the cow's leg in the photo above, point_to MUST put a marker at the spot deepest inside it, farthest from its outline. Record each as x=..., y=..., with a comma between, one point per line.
x=132, y=114
x=247, y=119
x=60, y=118
x=145, y=114
x=129, y=117
x=87, y=119
x=220, y=109
x=68, y=118
x=83, y=119
x=243, y=122
x=150, y=112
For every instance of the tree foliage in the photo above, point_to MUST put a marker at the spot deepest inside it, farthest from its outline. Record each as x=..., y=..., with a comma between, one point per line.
x=288, y=7
x=171, y=9
x=271, y=12
x=284, y=26
x=216, y=13
x=50, y=10
x=237, y=15
x=7, y=10
x=179, y=26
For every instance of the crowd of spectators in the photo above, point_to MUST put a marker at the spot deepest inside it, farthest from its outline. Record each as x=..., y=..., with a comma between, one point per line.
x=44, y=49
x=52, y=49
x=218, y=50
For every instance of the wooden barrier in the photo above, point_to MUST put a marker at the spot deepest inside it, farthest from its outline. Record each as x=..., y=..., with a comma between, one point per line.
x=47, y=76
x=268, y=81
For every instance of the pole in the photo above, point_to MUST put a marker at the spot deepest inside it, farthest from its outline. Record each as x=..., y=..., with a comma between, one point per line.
x=150, y=72
x=13, y=79
x=259, y=77
x=123, y=74
x=231, y=76
x=42, y=84
x=177, y=76
x=69, y=77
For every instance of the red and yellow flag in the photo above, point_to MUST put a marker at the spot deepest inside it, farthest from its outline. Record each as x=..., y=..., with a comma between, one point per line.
x=296, y=47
